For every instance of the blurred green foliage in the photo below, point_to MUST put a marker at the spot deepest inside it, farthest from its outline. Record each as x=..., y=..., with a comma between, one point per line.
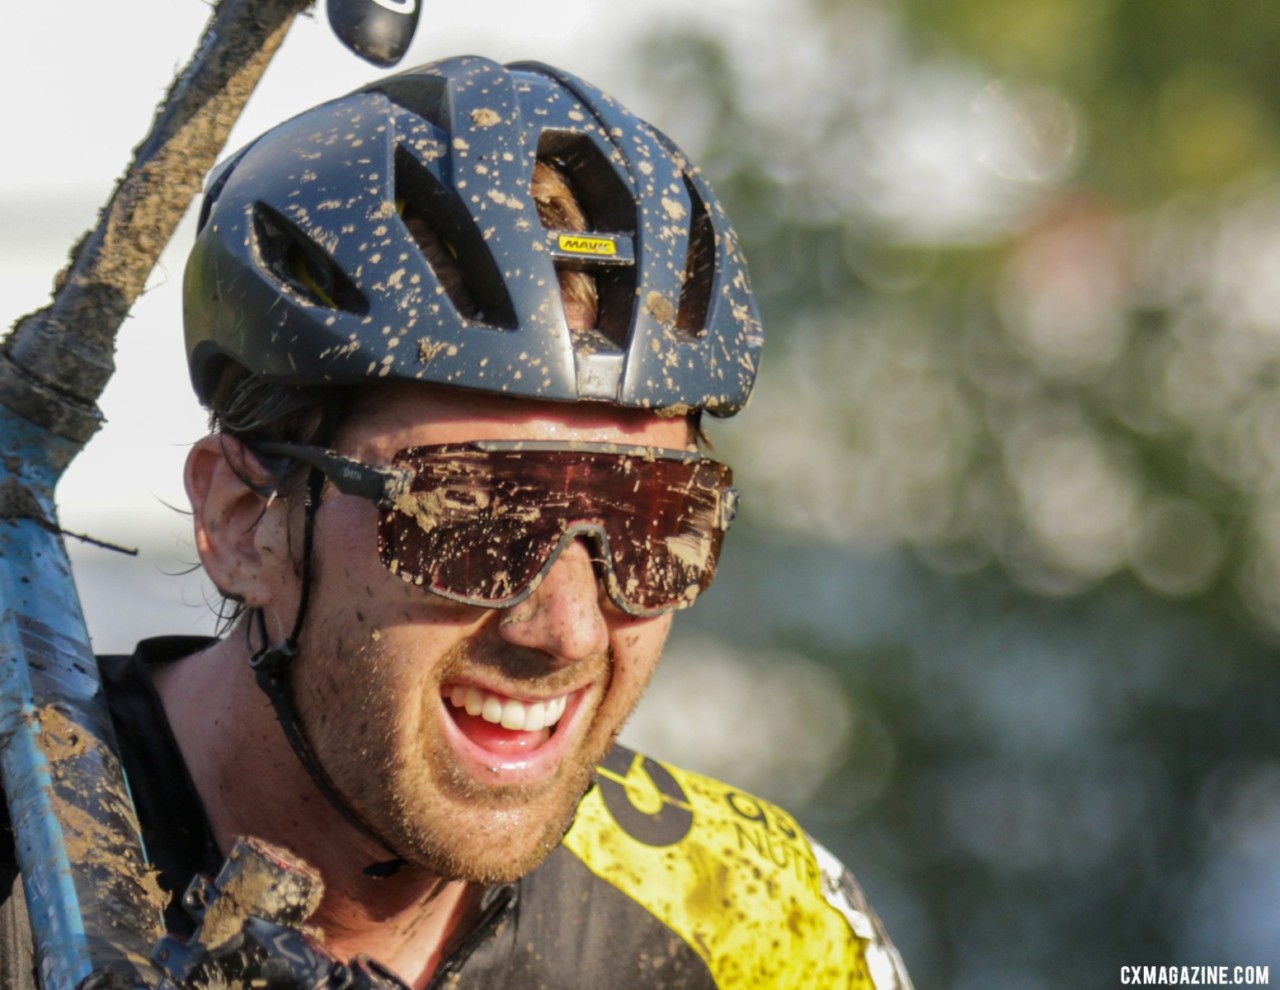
x=1013, y=470
x=1179, y=94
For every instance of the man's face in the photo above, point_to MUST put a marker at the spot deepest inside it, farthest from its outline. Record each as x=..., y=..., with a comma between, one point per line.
x=390, y=677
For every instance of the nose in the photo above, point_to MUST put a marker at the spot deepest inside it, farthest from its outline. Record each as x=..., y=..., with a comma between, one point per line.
x=562, y=617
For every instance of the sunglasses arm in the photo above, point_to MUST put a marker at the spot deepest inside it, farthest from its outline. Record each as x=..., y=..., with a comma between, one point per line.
x=381, y=485
x=728, y=508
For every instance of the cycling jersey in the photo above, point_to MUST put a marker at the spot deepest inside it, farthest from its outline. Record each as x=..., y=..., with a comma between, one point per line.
x=665, y=879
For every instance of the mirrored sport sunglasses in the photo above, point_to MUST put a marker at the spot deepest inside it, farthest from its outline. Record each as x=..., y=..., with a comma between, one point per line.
x=482, y=523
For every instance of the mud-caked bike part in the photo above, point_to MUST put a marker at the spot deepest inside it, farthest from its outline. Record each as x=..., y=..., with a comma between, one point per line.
x=252, y=930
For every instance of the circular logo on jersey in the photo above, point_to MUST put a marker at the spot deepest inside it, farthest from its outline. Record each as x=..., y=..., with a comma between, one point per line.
x=643, y=797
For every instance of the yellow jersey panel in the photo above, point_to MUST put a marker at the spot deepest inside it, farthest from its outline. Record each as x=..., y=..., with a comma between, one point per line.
x=736, y=877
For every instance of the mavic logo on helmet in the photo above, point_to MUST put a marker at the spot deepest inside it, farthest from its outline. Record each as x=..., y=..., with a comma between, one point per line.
x=398, y=6
x=596, y=247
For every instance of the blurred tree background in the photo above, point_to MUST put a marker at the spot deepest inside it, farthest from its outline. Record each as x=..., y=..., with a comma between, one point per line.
x=1000, y=620
x=1010, y=545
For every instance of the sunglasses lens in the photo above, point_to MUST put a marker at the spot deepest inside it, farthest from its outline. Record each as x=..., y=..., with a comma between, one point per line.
x=665, y=544
x=480, y=526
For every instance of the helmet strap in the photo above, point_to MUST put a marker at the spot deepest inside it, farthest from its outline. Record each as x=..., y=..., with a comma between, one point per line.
x=271, y=665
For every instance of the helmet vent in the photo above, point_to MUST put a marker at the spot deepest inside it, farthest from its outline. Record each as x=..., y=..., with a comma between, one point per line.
x=606, y=200
x=699, y=269
x=421, y=94
x=301, y=266
x=452, y=246
x=617, y=290
x=607, y=206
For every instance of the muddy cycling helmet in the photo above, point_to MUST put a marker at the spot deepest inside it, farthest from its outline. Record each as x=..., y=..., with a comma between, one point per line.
x=307, y=267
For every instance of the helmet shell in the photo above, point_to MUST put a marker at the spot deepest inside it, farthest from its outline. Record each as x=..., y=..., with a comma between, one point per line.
x=305, y=269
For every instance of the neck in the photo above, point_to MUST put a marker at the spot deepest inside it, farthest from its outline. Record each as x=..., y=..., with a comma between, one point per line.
x=407, y=921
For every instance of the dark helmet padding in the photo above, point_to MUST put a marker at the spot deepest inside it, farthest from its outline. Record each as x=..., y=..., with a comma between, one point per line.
x=305, y=272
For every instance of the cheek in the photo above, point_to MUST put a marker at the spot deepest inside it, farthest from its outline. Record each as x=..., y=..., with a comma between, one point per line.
x=637, y=648
x=364, y=680
x=346, y=559
x=349, y=527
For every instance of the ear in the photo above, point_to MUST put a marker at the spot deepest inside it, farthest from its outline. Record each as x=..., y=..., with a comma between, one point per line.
x=239, y=534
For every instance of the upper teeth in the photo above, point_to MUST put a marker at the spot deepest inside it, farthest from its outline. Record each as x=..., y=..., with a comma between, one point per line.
x=521, y=716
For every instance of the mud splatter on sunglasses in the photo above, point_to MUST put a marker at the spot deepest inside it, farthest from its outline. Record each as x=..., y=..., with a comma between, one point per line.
x=482, y=523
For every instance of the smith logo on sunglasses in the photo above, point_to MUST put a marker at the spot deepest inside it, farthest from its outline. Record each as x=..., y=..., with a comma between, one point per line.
x=482, y=523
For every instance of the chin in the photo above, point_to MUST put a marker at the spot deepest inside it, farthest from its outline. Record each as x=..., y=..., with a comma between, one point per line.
x=492, y=835
x=501, y=849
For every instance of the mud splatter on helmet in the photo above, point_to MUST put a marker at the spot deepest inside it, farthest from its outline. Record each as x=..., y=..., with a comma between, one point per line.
x=306, y=271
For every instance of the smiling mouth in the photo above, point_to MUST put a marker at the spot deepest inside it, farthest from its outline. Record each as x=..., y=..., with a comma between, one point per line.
x=517, y=716
x=501, y=725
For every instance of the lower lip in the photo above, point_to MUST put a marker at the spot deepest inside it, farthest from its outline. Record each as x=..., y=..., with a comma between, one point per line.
x=510, y=757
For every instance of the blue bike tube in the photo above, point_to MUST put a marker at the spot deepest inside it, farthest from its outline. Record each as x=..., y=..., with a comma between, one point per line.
x=94, y=904
x=93, y=901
